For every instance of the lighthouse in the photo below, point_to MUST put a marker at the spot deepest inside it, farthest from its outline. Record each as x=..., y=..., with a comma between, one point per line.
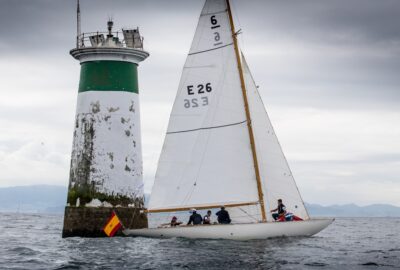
x=106, y=173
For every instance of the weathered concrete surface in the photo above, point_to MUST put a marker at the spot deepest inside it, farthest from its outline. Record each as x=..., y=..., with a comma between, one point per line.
x=90, y=221
x=106, y=158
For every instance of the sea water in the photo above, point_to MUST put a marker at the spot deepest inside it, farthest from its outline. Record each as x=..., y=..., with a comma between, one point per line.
x=30, y=241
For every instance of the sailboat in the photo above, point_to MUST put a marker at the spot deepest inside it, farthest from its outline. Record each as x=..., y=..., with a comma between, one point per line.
x=220, y=148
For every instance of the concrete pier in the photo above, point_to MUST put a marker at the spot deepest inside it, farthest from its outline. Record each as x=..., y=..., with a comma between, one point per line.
x=90, y=221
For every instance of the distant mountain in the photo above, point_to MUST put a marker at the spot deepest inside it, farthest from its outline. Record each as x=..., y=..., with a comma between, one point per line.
x=52, y=199
x=352, y=210
x=33, y=199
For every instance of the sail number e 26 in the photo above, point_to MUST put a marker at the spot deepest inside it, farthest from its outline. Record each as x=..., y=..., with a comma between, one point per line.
x=197, y=90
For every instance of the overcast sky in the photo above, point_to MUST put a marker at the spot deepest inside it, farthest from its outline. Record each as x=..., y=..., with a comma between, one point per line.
x=328, y=71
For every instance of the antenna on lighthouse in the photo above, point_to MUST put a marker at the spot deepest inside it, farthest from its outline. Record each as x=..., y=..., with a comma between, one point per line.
x=78, y=23
x=110, y=25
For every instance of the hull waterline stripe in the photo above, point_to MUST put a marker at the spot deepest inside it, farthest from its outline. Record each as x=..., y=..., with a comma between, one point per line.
x=211, y=49
x=197, y=129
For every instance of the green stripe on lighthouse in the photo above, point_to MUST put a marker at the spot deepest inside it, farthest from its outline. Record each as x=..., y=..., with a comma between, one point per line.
x=108, y=76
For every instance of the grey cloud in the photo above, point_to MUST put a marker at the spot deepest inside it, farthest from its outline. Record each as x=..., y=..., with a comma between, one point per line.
x=327, y=21
x=359, y=160
x=337, y=56
x=46, y=24
x=337, y=21
x=342, y=54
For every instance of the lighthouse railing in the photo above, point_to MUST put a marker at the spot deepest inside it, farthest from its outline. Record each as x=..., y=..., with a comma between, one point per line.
x=84, y=40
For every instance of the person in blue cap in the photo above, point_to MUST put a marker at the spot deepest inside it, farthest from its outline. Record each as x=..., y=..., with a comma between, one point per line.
x=195, y=218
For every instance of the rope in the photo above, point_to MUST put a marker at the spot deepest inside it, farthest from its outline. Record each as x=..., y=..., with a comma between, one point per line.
x=250, y=216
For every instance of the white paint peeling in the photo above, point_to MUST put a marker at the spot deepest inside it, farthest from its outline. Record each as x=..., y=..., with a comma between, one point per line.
x=107, y=152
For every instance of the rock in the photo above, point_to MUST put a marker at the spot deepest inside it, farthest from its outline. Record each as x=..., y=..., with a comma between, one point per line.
x=94, y=203
x=107, y=204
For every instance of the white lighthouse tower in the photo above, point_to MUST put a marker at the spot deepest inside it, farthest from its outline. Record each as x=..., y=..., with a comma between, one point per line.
x=106, y=171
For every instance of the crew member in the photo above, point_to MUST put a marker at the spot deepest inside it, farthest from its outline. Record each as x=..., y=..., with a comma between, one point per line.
x=223, y=216
x=207, y=218
x=195, y=218
x=175, y=222
x=281, y=210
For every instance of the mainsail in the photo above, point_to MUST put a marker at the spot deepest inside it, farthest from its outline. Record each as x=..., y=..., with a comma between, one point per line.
x=207, y=158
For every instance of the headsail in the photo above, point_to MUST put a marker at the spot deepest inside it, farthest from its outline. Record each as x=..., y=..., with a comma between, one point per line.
x=206, y=158
x=277, y=179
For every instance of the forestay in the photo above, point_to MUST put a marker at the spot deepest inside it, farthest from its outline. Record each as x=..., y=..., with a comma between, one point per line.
x=206, y=158
x=277, y=179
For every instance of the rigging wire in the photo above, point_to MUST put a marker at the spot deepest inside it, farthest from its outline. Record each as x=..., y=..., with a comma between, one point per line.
x=248, y=215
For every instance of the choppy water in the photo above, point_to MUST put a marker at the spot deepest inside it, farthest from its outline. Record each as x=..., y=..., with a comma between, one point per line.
x=34, y=242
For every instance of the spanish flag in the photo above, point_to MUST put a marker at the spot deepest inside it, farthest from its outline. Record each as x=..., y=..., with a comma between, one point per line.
x=113, y=225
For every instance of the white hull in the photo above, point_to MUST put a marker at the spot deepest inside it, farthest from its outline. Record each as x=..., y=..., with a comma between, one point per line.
x=237, y=231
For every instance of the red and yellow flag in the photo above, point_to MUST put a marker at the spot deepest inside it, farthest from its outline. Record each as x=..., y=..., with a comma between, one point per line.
x=112, y=225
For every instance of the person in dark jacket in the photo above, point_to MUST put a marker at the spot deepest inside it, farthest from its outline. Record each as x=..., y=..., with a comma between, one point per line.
x=281, y=210
x=223, y=216
x=195, y=218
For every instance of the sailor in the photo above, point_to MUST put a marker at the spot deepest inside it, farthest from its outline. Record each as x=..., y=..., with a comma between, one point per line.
x=207, y=218
x=223, y=216
x=195, y=218
x=175, y=222
x=281, y=209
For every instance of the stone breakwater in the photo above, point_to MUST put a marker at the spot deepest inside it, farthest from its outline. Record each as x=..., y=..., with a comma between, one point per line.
x=90, y=221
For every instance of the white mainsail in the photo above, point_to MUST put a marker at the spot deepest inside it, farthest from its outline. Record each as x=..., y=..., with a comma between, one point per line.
x=206, y=158
x=276, y=176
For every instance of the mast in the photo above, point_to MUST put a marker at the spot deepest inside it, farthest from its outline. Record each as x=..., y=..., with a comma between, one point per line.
x=78, y=23
x=248, y=118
